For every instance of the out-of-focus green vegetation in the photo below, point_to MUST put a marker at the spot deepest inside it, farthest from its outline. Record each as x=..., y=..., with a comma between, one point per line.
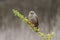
x=23, y=18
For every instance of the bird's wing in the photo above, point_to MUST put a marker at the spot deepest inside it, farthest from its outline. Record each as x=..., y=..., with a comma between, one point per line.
x=37, y=20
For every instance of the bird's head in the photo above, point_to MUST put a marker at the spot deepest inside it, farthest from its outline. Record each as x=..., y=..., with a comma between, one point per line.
x=31, y=13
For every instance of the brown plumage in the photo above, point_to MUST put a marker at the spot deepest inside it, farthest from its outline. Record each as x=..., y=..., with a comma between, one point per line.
x=33, y=18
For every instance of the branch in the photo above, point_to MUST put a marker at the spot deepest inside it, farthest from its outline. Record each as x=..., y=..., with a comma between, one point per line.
x=23, y=18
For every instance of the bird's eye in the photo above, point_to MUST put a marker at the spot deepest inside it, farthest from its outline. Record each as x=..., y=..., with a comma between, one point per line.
x=31, y=13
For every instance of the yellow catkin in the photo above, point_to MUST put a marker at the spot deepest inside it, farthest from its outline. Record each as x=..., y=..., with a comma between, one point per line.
x=44, y=36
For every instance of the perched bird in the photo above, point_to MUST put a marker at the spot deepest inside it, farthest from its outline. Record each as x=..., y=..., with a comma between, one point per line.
x=33, y=18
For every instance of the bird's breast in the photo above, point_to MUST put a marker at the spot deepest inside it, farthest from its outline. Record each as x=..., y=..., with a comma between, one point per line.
x=33, y=20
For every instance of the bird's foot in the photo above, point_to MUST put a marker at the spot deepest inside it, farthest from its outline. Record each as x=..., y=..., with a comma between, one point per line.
x=36, y=29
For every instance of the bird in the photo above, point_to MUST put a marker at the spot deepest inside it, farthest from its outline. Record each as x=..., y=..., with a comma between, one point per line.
x=32, y=16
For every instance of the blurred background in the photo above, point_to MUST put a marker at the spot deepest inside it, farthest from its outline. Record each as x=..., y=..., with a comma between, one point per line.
x=12, y=28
